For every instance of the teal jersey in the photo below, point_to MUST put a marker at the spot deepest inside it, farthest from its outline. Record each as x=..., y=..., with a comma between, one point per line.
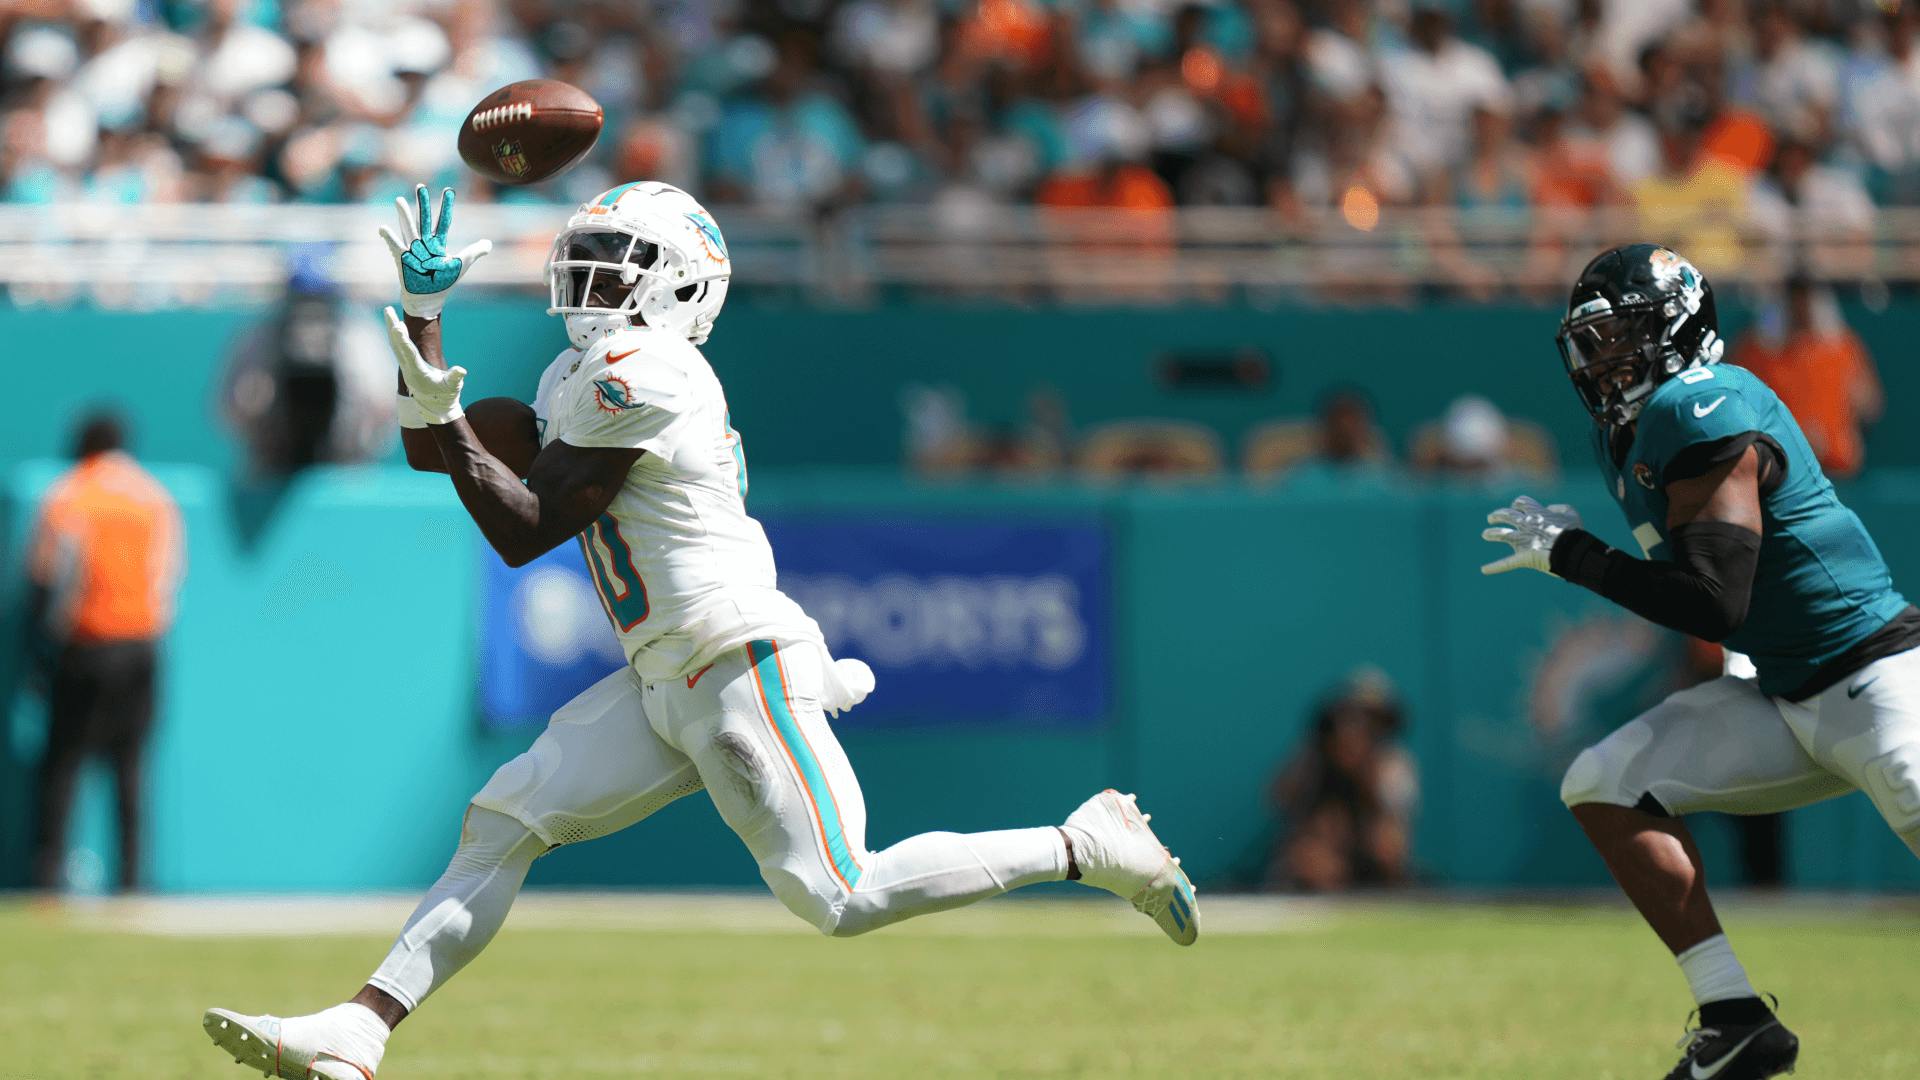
x=1821, y=586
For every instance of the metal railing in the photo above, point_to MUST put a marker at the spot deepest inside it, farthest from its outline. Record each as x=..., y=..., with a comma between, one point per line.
x=188, y=254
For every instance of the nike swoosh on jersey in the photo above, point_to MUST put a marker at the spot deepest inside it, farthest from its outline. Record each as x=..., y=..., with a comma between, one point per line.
x=1861, y=688
x=1700, y=411
x=614, y=358
x=1726, y=1059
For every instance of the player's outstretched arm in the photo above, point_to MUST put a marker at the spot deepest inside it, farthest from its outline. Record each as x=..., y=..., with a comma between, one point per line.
x=566, y=487
x=1713, y=529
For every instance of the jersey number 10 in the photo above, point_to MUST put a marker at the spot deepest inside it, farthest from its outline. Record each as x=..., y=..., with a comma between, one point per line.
x=622, y=592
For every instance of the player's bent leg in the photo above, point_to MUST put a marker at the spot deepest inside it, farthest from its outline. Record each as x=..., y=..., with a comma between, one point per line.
x=597, y=768
x=1720, y=746
x=753, y=725
x=463, y=910
x=1867, y=729
x=938, y=871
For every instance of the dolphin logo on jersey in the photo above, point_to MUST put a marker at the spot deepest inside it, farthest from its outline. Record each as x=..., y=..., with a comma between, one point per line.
x=710, y=237
x=613, y=394
x=1643, y=472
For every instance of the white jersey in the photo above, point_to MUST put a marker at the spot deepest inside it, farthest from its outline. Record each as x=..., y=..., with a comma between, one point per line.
x=682, y=571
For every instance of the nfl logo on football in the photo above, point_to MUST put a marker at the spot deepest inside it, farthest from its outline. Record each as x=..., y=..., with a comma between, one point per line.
x=507, y=152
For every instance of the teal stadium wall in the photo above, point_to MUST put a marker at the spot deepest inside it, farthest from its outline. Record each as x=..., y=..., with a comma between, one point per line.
x=319, y=728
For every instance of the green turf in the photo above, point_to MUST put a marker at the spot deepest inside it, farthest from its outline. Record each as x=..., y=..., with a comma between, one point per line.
x=1032, y=988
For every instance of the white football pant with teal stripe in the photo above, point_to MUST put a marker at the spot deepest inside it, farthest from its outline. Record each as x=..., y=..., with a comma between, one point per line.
x=753, y=726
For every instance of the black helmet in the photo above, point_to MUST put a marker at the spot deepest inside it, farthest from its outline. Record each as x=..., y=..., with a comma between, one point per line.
x=1642, y=309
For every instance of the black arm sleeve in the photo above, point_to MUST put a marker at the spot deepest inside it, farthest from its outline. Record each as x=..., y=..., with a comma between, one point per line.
x=1704, y=591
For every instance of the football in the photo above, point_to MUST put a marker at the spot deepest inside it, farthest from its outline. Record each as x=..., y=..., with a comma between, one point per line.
x=528, y=131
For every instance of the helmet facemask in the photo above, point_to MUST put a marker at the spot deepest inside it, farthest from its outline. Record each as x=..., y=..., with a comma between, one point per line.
x=608, y=277
x=1615, y=359
x=1602, y=348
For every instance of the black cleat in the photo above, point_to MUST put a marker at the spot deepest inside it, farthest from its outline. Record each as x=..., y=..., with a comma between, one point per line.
x=1737, y=1051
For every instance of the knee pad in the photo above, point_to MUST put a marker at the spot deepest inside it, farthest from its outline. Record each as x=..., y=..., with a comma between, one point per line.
x=489, y=839
x=1598, y=775
x=1585, y=779
x=798, y=895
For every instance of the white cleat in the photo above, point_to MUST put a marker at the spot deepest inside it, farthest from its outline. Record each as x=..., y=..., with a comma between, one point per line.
x=297, y=1048
x=1116, y=850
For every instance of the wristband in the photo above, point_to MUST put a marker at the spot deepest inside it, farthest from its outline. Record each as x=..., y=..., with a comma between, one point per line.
x=412, y=417
x=1580, y=557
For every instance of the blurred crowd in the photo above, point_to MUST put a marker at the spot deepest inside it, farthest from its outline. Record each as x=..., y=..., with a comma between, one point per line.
x=1797, y=340
x=1705, y=116
x=1341, y=443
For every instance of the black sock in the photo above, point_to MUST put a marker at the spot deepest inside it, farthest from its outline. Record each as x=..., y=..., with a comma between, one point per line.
x=1736, y=1012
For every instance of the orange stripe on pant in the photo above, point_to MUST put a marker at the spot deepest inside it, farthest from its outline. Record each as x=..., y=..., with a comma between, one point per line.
x=786, y=727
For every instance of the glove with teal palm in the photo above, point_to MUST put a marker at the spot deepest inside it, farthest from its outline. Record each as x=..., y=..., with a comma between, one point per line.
x=427, y=272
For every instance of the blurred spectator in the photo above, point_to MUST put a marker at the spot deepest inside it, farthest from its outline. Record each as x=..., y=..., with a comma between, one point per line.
x=1882, y=107
x=1696, y=199
x=1158, y=449
x=1805, y=352
x=1347, y=797
x=942, y=441
x=1822, y=213
x=1475, y=440
x=1341, y=443
x=1434, y=85
x=313, y=382
x=106, y=559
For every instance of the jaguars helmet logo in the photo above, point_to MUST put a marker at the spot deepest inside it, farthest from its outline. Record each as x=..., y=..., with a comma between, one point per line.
x=1670, y=271
x=613, y=394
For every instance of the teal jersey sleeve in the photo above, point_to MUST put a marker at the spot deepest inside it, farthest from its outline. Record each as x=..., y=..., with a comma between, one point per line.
x=1698, y=406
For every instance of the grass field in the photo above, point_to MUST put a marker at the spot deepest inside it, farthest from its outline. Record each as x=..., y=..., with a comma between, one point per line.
x=679, y=986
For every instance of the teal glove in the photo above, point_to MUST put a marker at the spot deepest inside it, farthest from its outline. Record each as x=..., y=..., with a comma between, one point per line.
x=427, y=272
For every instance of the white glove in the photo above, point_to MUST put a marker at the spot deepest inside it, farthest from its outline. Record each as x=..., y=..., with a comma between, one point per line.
x=409, y=413
x=1532, y=529
x=427, y=272
x=436, y=391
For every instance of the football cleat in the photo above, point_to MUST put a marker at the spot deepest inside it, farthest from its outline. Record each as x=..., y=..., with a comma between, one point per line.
x=1115, y=849
x=297, y=1048
x=1737, y=1052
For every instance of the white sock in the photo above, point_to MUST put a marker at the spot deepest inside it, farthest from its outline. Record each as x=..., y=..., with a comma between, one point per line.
x=465, y=908
x=941, y=870
x=1714, y=973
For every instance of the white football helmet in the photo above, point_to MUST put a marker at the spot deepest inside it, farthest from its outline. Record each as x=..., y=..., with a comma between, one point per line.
x=643, y=249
